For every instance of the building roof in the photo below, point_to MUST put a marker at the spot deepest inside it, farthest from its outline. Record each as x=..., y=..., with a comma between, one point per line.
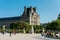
x=10, y=18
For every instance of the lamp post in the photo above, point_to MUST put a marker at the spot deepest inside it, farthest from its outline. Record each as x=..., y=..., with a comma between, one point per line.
x=32, y=28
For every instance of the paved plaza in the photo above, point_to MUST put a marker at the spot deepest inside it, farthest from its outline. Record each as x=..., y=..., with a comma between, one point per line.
x=20, y=36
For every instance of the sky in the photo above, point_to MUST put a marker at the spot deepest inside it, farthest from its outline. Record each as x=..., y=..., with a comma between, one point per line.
x=47, y=9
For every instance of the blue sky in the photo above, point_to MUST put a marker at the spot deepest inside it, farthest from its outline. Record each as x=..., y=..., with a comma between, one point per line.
x=47, y=9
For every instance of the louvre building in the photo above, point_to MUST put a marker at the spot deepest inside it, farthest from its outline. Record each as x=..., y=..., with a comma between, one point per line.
x=29, y=15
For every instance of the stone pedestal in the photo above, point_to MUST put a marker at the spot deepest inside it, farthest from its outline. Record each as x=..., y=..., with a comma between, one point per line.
x=3, y=29
x=24, y=30
x=43, y=30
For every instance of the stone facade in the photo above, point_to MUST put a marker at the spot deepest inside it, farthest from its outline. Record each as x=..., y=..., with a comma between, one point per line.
x=29, y=15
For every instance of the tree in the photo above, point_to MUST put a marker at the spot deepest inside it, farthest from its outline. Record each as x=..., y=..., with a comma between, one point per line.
x=13, y=27
x=59, y=16
x=54, y=25
x=23, y=25
x=20, y=25
x=38, y=28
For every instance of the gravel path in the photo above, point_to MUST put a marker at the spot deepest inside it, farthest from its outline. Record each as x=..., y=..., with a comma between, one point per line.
x=20, y=36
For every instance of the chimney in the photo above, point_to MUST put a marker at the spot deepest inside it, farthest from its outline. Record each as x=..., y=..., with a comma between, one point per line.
x=34, y=9
x=30, y=7
x=25, y=9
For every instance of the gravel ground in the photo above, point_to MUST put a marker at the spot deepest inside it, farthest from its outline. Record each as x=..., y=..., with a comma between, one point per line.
x=20, y=36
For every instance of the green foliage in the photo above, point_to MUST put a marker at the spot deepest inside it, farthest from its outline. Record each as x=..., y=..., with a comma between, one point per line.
x=59, y=16
x=37, y=31
x=28, y=28
x=58, y=22
x=37, y=28
x=13, y=26
x=54, y=25
x=20, y=25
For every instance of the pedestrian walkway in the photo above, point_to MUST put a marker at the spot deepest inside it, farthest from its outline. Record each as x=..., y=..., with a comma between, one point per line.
x=20, y=36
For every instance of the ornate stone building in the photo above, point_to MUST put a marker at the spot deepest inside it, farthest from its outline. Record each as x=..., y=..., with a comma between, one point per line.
x=29, y=15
